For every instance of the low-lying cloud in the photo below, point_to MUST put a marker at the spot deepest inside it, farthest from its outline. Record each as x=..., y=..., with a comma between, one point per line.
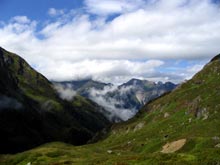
x=65, y=92
x=111, y=104
x=9, y=103
x=114, y=111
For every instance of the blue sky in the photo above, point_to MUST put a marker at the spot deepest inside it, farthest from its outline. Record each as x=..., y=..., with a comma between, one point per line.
x=111, y=40
x=36, y=10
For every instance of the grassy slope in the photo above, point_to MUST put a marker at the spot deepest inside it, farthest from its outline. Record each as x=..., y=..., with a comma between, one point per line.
x=193, y=113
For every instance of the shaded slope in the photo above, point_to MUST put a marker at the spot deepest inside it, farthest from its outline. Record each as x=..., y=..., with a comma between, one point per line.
x=31, y=113
x=185, y=122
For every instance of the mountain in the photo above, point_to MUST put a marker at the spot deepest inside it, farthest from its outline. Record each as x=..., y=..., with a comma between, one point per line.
x=32, y=113
x=181, y=127
x=83, y=87
x=121, y=102
x=144, y=91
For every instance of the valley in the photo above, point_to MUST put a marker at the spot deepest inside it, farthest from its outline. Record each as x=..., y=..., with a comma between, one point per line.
x=110, y=82
x=180, y=127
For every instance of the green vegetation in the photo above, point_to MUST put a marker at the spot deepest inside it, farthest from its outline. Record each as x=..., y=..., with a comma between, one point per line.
x=34, y=114
x=191, y=112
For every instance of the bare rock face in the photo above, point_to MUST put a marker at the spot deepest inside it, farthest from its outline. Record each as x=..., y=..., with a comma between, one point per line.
x=195, y=108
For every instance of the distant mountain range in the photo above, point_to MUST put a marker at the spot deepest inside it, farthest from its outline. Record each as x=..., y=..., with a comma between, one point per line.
x=121, y=102
x=32, y=113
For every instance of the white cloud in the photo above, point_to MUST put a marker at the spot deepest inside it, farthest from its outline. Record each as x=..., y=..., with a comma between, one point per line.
x=118, y=49
x=110, y=104
x=55, y=12
x=65, y=92
x=105, y=7
x=21, y=19
x=100, y=69
x=190, y=71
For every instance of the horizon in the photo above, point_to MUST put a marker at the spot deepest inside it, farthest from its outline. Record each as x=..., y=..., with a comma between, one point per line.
x=111, y=41
x=109, y=83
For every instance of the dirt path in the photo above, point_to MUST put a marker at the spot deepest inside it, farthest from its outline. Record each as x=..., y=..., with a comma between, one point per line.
x=173, y=146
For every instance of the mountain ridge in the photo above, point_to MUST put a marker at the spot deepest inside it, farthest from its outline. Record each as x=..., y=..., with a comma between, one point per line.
x=32, y=113
x=120, y=102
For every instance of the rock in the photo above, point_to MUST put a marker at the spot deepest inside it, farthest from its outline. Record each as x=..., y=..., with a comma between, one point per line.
x=205, y=116
x=139, y=126
x=127, y=130
x=166, y=115
x=110, y=151
x=202, y=113
x=215, y=138
x=173, y=146
x=190, y=120
x=193, y=106
x=198, y=82
x=217, y=145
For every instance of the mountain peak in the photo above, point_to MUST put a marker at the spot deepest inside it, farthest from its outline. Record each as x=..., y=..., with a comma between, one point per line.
x=133, y=81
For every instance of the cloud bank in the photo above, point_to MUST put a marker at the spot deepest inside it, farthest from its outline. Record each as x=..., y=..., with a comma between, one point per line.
x=111, y=104
x=114, y=41
x=65, y=92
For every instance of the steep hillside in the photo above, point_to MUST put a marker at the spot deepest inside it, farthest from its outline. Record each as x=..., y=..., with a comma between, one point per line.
x=181, y=127
x=31, y=112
